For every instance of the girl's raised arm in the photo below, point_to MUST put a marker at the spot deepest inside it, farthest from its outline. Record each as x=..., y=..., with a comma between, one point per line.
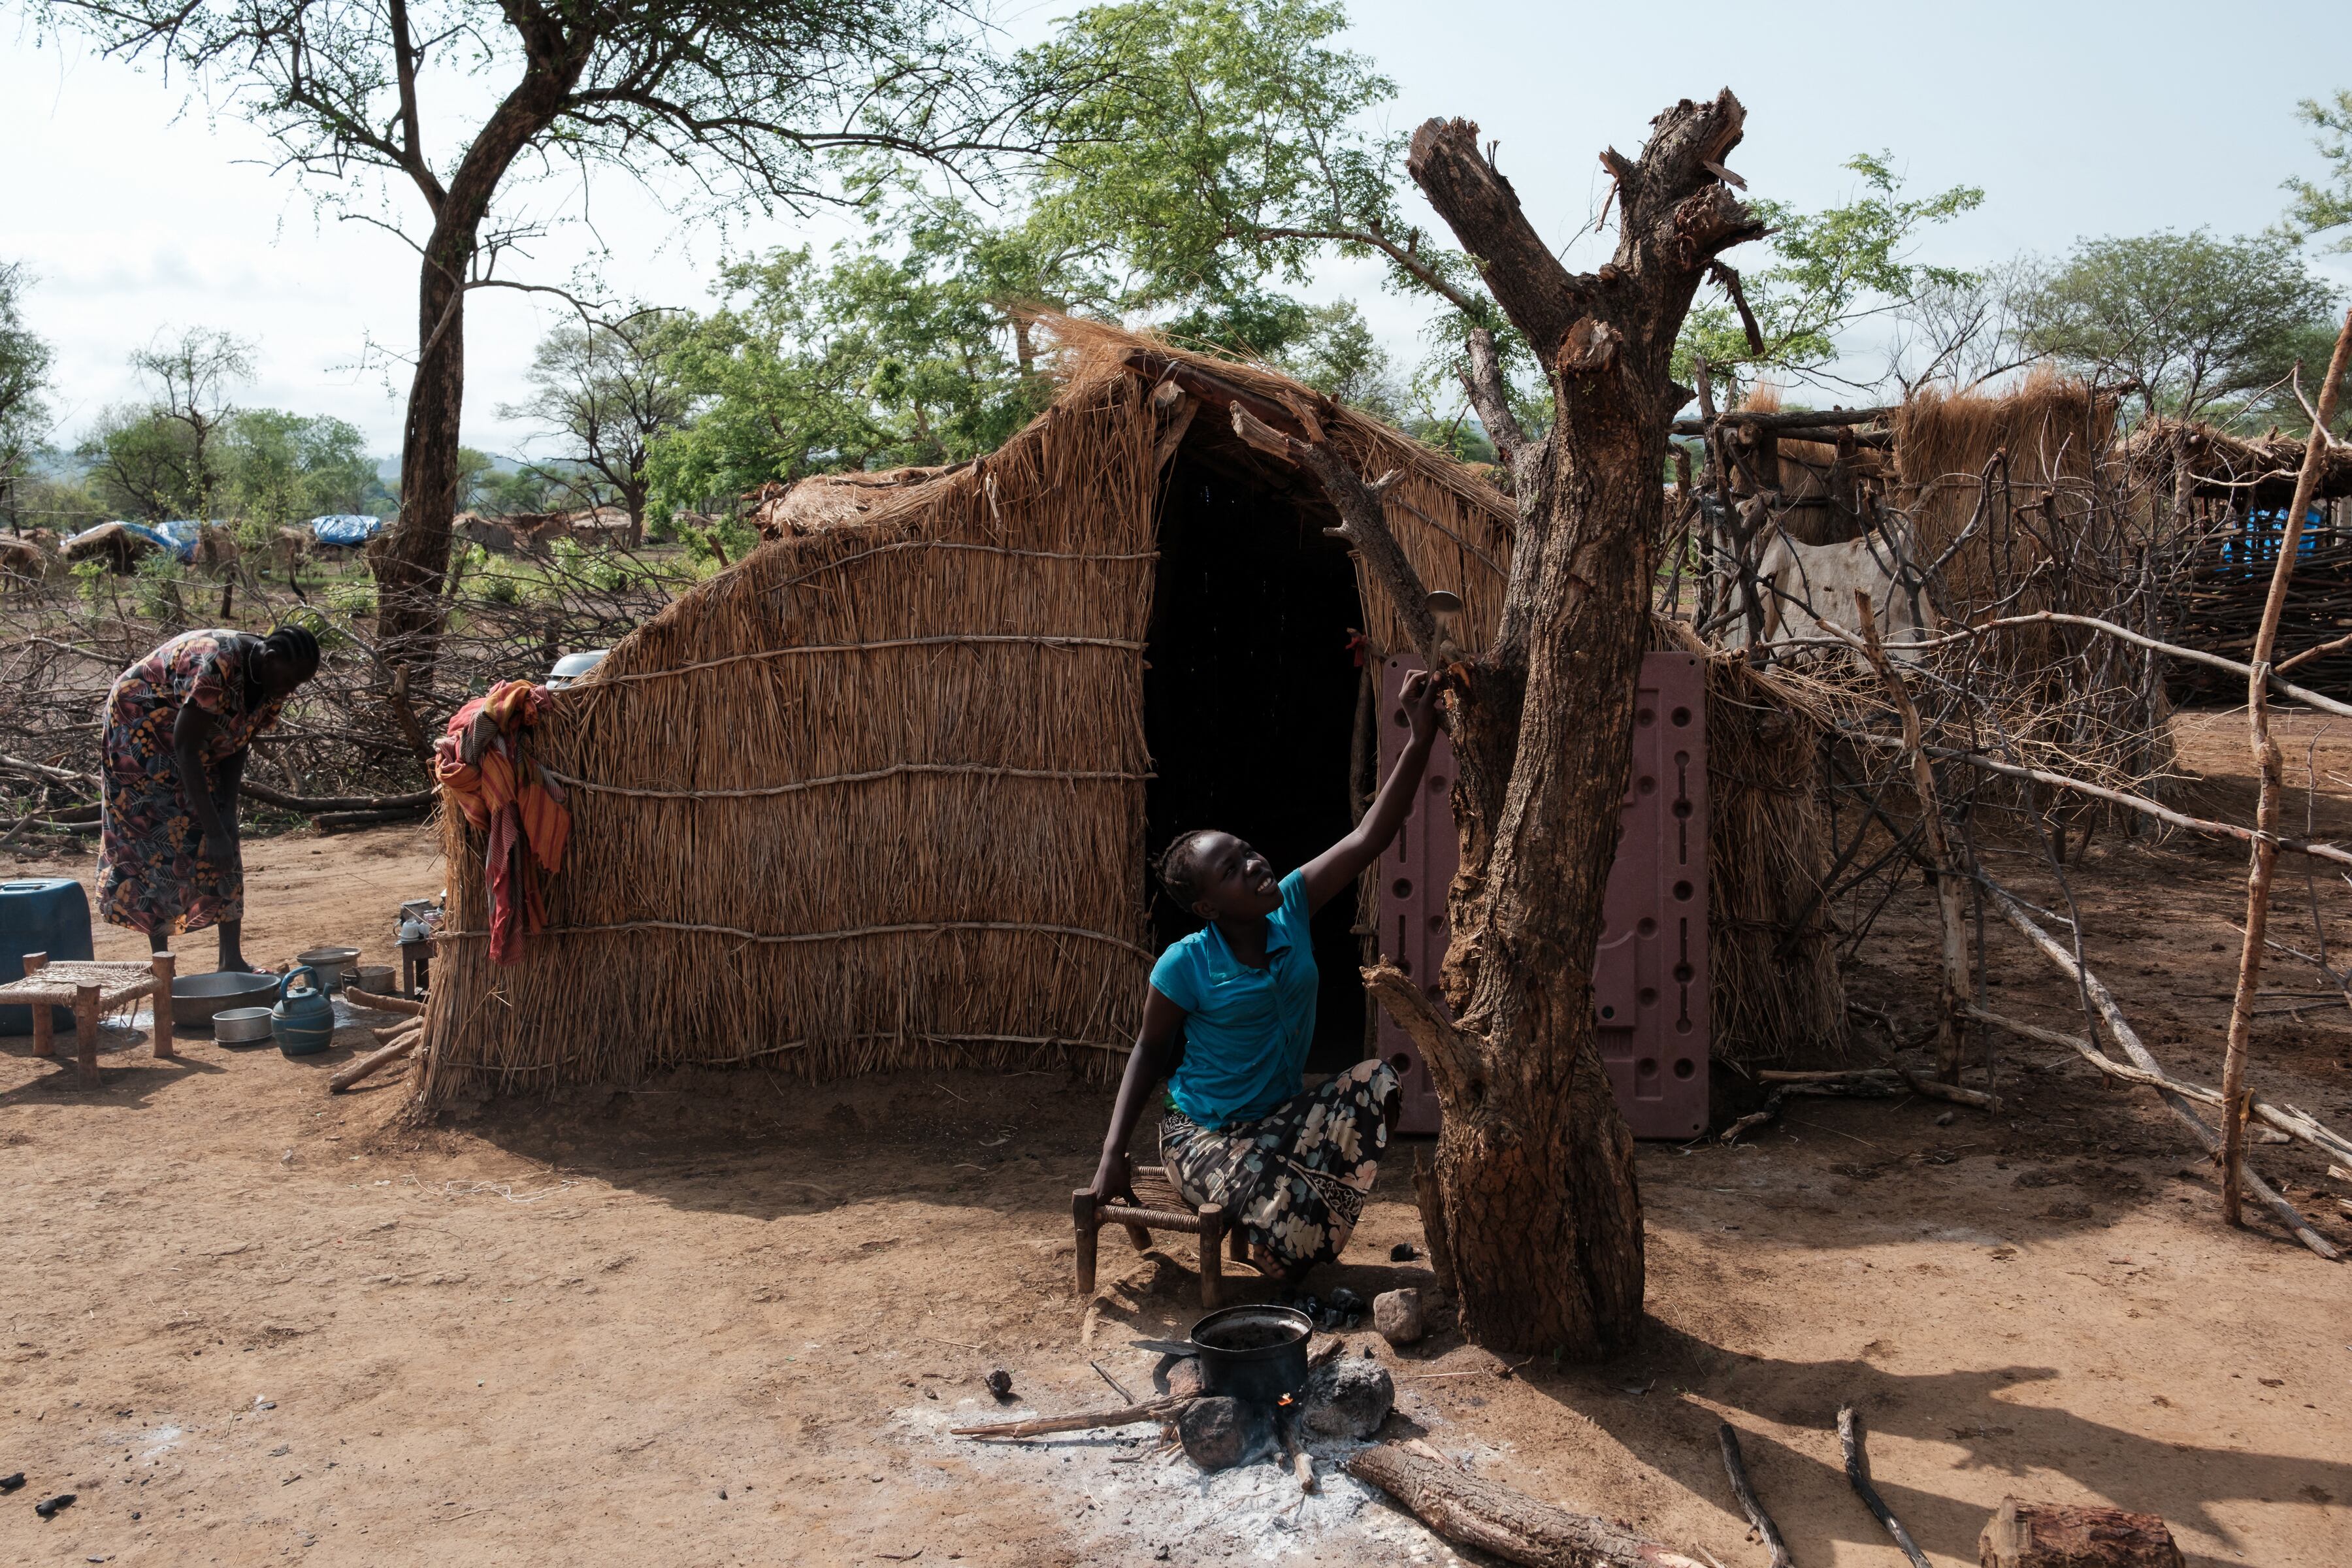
x=1330, y=873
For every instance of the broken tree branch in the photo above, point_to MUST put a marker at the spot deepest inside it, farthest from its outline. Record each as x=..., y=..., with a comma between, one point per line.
x=2263, y=859
x=1851, y=1438
x=1471, y=1510
x=1440, y=1043
x=2138, y=803
x=2124, y=1035
x=1749, y=1502
x=2287, y=1119
x=1363, y=524
x=1045, y=1426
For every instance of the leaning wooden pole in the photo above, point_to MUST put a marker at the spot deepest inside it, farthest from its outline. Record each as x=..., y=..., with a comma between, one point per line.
x=2268, y=771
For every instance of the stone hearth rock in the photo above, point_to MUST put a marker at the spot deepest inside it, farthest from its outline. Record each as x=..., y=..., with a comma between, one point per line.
x=1220, y=1433
x=1349, y=1397
x=1397, y=1315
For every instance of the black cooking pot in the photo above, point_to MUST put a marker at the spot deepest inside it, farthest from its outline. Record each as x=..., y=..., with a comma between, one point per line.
x=1253, y=1352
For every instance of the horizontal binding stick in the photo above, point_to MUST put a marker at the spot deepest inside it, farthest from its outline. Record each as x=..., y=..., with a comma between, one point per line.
x=951, y=640
x=917, y=928
x=895, y=770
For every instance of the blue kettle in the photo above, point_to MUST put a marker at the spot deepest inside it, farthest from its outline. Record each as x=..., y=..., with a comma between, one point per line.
x=303, y=1022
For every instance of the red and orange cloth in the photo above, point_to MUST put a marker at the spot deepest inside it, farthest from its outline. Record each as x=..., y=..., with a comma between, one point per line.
x=484, y=769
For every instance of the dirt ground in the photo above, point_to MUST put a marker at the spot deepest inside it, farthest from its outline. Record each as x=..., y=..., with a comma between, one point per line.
x=727, y=1319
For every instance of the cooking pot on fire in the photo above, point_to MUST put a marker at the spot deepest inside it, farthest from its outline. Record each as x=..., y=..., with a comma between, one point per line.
x=1253, y=1351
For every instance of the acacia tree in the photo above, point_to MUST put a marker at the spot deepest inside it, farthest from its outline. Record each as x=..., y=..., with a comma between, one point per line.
x=608, y=390
x=740, y=100
x=1537, y=1207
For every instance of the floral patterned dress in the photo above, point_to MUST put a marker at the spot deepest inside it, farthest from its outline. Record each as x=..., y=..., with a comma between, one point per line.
x=1296, y=1178
x=150, y=875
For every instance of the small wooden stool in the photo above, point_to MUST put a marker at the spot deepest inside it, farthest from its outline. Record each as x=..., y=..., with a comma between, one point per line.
x=415, y=966
x=92, y=989
x=1160, y=1209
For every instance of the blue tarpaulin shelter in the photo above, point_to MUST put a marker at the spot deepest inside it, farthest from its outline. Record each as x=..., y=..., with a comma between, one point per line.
x=154, y=535
x=346, y=529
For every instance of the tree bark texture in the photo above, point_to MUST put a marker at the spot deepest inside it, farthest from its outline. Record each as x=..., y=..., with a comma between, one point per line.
x=2067, y=1535
x=1542, y=1216
x=411, y=559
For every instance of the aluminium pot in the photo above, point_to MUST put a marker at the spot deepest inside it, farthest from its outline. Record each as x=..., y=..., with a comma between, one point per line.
x=327, y=964
x=1253, y=1351
x=242, y=1027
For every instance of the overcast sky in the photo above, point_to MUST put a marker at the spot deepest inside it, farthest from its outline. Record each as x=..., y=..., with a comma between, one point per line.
x=2078, y=120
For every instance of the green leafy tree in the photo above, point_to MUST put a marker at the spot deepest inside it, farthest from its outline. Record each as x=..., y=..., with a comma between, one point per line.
x=1217, y=152
x=742, y=100
x=162, y=459
x=1829, y=269
x=24, y=362
x=2322, y=207
x=875, y=361
x=1337, y=356
x=140, y=463
x=606, y=390
x=278, y=467
x=2190, y=322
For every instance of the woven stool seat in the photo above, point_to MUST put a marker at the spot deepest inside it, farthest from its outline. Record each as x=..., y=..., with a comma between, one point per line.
x=93, y=988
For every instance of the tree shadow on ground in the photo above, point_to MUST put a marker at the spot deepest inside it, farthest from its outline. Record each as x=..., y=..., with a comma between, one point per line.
x=1664, y=1403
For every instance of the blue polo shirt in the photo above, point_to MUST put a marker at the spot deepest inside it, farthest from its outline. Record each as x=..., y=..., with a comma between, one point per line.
x=1245, y=1030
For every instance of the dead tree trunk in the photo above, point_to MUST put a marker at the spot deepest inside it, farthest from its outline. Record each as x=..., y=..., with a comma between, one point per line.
x=1541, y=1214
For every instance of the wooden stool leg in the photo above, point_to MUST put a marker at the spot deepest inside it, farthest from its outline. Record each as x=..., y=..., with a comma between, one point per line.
x=1136, y=1235
x=160, y=1004
x=44, y=1016
x=1213, y=1253
x=1082, y=1218
x=86, y=1032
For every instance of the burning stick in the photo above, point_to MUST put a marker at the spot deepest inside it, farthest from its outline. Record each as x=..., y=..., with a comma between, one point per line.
x=1285, y=1427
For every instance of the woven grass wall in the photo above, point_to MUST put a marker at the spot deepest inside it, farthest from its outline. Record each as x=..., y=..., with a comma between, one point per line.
x=874, y=798
x=933, y=725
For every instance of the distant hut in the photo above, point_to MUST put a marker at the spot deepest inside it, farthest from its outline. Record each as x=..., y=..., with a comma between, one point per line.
x=881, y=794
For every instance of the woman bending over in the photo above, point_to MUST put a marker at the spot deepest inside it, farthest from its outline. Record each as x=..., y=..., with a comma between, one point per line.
x=1227, y=1022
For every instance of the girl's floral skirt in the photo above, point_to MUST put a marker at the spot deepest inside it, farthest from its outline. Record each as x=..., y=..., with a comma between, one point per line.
x=1294, y=1179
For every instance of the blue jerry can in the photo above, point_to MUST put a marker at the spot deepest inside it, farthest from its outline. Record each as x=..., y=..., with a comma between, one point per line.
x=40, y=914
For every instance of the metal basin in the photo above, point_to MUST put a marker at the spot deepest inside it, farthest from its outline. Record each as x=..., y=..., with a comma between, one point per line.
x=242, y=1027
x=196, y=997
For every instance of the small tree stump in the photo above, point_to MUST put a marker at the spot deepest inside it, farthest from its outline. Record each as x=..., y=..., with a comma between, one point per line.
x=2064, y=1535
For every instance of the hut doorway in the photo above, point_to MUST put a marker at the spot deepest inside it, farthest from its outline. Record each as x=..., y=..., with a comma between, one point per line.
x=1250, y=700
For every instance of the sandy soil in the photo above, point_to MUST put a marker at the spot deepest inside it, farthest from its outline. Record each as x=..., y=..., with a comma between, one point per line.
x=727, y=1319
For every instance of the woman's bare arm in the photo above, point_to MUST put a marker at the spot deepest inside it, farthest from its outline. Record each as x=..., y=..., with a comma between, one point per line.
x=1331, y=872
x=1158, y=1047
x=190, y=732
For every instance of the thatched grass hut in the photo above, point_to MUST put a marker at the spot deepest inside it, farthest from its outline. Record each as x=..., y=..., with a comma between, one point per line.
x=880, y=795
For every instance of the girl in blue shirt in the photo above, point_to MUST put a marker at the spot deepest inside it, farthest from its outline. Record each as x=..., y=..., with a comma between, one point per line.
x=1227, y=1022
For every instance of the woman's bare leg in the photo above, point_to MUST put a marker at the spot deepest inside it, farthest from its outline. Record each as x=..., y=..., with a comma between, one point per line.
x=232, y=955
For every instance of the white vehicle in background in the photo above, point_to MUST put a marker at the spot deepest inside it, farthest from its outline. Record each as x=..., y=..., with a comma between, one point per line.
x=572, y=666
